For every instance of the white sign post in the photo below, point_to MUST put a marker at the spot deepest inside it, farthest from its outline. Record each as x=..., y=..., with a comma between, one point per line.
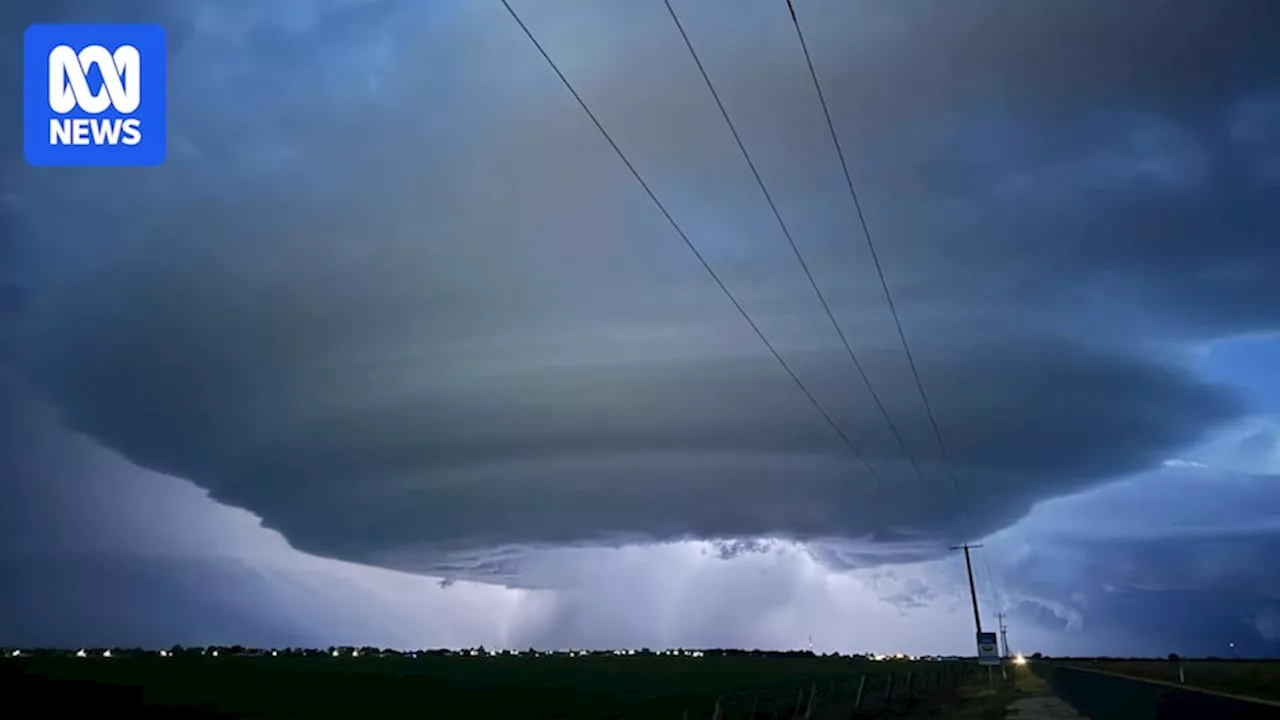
x=988, y=649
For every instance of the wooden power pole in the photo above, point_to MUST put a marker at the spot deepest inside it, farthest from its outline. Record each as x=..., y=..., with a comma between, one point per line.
x=973, y=590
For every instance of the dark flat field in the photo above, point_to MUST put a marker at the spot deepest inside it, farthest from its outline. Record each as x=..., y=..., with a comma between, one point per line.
x=605, y=686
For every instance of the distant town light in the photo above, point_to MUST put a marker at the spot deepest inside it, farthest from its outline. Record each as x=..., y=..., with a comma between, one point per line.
x=274, y=653
x=214, y=653
x=106, y=653
x=16, y=653
x=1019, y=660
x=164, y=653
x=81, y=653
x=335, y=653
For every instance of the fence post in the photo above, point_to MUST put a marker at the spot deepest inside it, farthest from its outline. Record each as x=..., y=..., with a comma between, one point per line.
x=813, y=693
x=857, y=701
x=910, y=689
x=755, y=703
x=718, y=714
x=888, y=691
x=799, y=702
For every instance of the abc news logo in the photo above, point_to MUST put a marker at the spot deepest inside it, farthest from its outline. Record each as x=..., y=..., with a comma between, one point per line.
x=94, y=95
x=121, y=89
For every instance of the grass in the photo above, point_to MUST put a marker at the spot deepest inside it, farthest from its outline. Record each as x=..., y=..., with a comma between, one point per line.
x=1259, y=679
x=978, y=703
x=631, y=687
x=978, y=700
x=973, y=699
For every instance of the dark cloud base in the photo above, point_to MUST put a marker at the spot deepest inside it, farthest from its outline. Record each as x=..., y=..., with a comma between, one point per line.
x=434, y=365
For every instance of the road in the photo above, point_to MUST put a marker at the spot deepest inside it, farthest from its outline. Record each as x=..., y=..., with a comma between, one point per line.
x=1106, y=697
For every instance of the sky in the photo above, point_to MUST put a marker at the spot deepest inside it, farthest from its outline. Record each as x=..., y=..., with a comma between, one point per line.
x=394, y=350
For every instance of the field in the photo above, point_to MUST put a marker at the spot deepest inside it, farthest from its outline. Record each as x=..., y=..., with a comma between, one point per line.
x=1260, y=679
x=604, y=686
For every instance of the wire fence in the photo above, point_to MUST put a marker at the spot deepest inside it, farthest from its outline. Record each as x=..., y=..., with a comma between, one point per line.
x=873, y=690
x=872, y=693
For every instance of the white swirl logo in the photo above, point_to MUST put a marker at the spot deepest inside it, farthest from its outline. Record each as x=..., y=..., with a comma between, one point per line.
x=121, y=79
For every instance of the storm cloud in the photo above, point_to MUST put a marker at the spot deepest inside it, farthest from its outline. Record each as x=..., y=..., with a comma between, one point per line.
x=1172, y=560
x=95, y=551
x=400, y=300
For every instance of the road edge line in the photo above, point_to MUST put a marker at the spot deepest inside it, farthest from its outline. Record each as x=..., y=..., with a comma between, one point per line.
x=1166, y=683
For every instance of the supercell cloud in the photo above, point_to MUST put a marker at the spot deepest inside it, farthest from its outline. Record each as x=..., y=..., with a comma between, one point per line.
x=397, y=297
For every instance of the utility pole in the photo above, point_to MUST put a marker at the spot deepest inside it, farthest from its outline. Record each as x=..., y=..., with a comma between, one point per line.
x=973, y=591
x=1004, y=645
x=1004, y=637
x=973, y=595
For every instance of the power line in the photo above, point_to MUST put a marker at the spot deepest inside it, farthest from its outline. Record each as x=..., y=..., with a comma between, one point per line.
x=884, y=413
x=888, y=295
x=853, y=357
x=692, y=248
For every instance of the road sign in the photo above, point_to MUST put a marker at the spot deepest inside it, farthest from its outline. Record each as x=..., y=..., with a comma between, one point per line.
x=988, y=649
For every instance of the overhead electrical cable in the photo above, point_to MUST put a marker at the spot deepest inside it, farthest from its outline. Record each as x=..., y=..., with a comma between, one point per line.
x=693, y=248
x=853, y=357
x=888, y=295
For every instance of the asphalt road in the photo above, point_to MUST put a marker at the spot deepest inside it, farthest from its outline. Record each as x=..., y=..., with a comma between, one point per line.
x=1106, y=697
